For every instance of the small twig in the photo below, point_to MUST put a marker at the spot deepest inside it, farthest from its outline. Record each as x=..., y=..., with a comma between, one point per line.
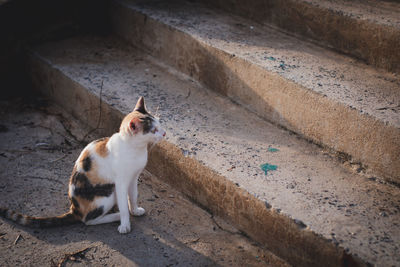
x=66, y=129
x=60, y=158
x=18, y=151
x=68, y=256
x=48, y=147
x=220, y=227
x=17, y=239
x=100, y=113
x=192, y=241
x=44, y=127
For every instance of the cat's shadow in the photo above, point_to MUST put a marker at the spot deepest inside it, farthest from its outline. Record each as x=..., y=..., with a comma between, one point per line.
x=145, y=245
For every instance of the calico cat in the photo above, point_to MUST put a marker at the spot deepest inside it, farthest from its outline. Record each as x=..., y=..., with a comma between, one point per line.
x=106, y=173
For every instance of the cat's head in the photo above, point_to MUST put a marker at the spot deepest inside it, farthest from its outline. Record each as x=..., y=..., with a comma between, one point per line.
x=141, y=125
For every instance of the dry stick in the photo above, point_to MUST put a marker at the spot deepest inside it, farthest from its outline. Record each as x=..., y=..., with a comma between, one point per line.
x=192, y=241
x=221, y=228
x=69, y=255
x=62, y=121
x=100, y=113
x=59, y=158
x=17, y=151
x=190, y=91
x=17, y=239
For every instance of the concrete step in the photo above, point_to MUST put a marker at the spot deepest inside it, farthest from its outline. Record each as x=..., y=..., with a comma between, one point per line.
x=368, y=29
x=330, y=99
x=311, y=211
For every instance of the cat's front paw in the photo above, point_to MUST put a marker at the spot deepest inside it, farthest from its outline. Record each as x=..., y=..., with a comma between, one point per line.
x=138, y=211
x=123, y=229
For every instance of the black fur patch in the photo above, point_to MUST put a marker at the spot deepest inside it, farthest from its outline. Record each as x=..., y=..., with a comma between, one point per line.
x=76, y=212
x=142, y=110
x=87, y=164
x=75, y=202
x=147, y=124
x=75, y=207
x=94, y=213
x=78, y=177
x=88, y=191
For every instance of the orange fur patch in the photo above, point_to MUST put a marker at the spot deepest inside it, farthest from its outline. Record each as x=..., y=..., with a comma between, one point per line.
x=101, y=147
x=85, y=206
x=92, y=174
x=94, y=177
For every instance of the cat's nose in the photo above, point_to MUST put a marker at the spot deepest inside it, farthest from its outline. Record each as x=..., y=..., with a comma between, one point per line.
x=164, y=134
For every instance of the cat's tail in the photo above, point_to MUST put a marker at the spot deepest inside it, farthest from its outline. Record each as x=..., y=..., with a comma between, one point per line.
x=39, y=222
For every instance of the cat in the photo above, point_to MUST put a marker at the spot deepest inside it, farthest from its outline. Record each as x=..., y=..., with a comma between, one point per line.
x=106, y=174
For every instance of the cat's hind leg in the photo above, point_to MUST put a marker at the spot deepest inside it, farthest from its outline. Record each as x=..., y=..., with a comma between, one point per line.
x=108, y=218
x=98, y=215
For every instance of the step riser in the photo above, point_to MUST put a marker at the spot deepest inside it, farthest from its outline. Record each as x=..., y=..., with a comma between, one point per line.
x=277, y=232
x=325, y=122
x=375, y=44
x=215, y=193
x=73, y=97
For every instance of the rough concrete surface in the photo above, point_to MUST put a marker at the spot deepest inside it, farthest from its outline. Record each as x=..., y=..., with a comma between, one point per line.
x=329, y=98
x=341, y=202
x=366, y=29
x=37, y=152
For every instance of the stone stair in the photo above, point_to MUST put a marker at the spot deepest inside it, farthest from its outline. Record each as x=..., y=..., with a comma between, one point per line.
x=229, y=90
x=366, y=29
x=350, y=107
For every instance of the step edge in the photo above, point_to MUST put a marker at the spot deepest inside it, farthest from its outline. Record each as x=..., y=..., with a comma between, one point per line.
x=310, y=28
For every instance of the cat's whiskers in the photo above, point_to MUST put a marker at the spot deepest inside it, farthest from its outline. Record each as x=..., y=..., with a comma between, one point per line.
x=157, y=114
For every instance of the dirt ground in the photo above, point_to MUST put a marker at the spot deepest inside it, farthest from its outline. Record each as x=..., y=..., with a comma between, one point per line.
x=38, y=146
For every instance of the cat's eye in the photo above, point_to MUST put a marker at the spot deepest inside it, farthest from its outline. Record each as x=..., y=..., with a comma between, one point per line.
x=154, y=130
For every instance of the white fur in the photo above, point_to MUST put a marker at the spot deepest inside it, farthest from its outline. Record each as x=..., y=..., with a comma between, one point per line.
x=126, y=159
x=71, y=189
x=108, y=218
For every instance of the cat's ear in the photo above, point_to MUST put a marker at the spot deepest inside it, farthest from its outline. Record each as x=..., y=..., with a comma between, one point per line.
x=140, y=106
x=134, y=125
